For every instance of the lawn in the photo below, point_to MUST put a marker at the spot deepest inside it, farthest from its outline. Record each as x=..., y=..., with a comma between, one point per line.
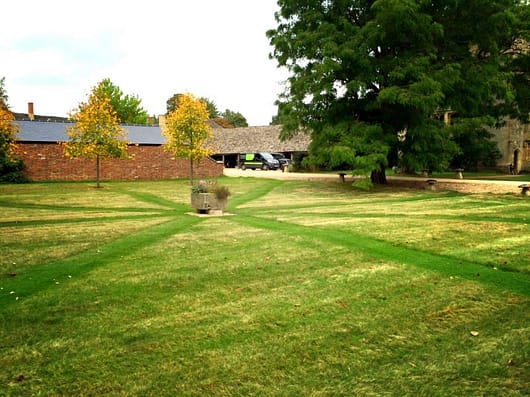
x=308, y=289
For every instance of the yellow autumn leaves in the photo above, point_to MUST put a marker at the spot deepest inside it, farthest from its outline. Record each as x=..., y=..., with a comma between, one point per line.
x=96, y=132
x=8, y=130
x=187, y=130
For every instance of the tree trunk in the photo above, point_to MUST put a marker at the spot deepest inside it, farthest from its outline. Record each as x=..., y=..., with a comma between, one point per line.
x=378, y=177
x=191, y=171
x=97, y=172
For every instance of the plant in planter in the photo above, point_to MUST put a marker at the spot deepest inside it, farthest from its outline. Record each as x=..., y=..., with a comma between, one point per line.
x=206, y=196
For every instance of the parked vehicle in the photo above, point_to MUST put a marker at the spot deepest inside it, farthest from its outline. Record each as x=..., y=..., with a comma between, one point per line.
x=261, y=160
x=284, y=161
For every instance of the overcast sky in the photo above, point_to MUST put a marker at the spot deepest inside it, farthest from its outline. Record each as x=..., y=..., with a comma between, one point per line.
x=53, y=52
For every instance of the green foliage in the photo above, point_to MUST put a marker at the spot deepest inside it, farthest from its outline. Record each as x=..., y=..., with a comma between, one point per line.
x=11, y=169
x=127, y=107
x=473, y=139
x=426, y=147
x=394, y=65
x=235, y=118
x=211, y=107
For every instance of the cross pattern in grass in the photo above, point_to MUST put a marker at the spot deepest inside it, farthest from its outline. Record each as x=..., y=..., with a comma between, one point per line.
x=309, y=288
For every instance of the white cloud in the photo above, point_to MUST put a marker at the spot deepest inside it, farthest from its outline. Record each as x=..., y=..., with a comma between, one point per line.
x=216, y=49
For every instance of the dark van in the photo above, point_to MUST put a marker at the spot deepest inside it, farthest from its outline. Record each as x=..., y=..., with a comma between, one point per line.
x=284, y=161
x=261, y=160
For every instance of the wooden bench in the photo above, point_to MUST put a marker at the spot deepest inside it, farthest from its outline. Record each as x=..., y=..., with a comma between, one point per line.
x=341, y=177
x=524, y=189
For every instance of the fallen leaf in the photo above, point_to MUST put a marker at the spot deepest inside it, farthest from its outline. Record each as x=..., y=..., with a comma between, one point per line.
x=474, y=333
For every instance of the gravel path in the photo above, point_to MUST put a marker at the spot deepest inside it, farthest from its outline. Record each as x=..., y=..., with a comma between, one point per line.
x=460, y=185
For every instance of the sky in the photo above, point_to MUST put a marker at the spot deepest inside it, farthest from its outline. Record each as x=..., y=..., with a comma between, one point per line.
x=53, y=52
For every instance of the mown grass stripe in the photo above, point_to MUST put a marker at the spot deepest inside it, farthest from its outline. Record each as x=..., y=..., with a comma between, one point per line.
x=39, y=278
x=150, y=198
x=66, y=221
x=515, y=282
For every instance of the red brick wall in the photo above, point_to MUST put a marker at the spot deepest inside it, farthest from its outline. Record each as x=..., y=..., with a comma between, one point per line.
x=46, y=162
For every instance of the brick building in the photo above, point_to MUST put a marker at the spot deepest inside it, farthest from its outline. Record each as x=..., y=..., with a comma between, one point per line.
x=43, y=156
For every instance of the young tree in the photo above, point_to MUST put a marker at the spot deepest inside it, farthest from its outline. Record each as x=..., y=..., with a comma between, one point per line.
x=367, y=77
x=127, y=107
x=187, y=131
x=96, y=133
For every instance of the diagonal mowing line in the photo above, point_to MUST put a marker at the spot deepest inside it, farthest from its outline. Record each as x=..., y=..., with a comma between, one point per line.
x=255, y=193
x=40, y=278
x=150, y=198
x=99, y=218
x=512, y=281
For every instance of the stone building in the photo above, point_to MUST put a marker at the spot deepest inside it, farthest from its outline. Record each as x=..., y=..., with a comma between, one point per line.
x=513, y=141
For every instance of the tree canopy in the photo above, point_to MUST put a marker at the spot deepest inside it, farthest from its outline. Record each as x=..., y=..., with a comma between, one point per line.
x=128, y=108
x=96, y=133
x=372, y=80
x=226, y=119
x=235, y=119
x=187, y=130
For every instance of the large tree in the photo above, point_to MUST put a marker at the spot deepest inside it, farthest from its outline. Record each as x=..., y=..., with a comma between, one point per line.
x=96, y=133
x=367, y=78
x=127, y=107
x=187, y=130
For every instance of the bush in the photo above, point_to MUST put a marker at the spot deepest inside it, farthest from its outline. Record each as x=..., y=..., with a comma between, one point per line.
x=12, y=170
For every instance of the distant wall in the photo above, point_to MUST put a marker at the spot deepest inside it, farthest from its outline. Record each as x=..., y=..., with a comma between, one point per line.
x=46, y=162
x=513, y=140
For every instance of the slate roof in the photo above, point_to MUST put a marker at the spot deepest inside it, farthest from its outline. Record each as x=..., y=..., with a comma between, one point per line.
x=40, y=131
x=225, y=141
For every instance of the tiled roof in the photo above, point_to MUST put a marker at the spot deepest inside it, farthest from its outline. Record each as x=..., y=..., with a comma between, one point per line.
x=256, y=139
x=225, y=140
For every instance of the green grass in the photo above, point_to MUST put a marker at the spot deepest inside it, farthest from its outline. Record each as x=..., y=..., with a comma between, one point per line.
x=310, y=288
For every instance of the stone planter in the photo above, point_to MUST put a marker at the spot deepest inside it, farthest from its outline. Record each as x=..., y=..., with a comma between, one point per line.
x=204, y=202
